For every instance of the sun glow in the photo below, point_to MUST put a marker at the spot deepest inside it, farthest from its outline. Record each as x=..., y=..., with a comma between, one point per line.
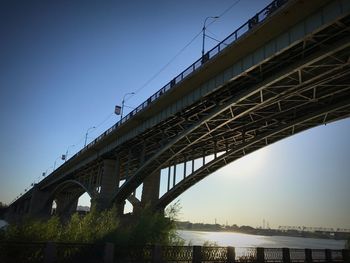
x=247, y=166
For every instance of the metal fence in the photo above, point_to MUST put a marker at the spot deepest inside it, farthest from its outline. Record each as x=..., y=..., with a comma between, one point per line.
x=22, y=252
x=38, y=252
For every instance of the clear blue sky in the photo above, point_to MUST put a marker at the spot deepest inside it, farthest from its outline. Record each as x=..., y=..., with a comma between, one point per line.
x=64, y=65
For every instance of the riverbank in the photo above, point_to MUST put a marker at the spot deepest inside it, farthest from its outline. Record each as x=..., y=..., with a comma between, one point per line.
x=223, y=238
x=262, y=232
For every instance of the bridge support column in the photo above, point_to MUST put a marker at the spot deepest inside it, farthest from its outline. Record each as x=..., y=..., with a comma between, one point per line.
x=109, y=184
x=26, y=206
x=150, y=191
x=12, y=213
x=66, y=206
x=39, y=205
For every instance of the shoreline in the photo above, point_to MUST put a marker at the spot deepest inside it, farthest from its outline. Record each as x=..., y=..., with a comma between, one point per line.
x=272, y=232
x=242, y=240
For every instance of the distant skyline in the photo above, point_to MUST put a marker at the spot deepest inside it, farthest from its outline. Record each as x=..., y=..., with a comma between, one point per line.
x=64, y=65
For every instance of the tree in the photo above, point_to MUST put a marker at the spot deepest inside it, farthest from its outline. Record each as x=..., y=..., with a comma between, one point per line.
x=3, y=208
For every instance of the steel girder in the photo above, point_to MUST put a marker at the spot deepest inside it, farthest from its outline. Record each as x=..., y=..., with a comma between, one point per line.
x=265, y=136
x=314, y=70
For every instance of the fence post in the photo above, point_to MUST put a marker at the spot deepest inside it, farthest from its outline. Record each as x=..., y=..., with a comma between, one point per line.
x=205, y=58
x=156, y=254
x=231, y=255
x=260, y=255
x=308, y=255
x=346, y=255
x=286, y=255
x=328, y=254
x=108, y=255
x=50, y=252
x=197, y=254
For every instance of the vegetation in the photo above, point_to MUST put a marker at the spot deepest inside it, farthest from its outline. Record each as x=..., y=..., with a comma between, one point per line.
x=89, y=228
x=3, y=208
x=147, y=228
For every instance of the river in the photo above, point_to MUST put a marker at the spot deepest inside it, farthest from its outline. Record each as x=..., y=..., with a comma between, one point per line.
x=2, y=223
x=245, y=240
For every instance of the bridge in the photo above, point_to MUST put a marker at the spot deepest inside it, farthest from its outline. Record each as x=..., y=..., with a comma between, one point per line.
x=284, y=71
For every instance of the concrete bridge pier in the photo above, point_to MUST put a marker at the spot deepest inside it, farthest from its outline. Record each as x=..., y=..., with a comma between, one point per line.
x=150, y=191
x=37, y=205
x=66, y=205
x=14, y=213
x=109, y=185
x=40, y=205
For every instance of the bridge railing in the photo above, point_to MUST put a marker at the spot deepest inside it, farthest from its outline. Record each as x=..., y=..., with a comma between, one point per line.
x=91, y=253
x=232, y=38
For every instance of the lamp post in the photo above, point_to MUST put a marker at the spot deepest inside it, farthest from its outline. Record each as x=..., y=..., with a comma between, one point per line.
x=54, y=164
x=65, y=156
x=123, y=101
x=45, y=173
x=203, y=30
x=86, y=134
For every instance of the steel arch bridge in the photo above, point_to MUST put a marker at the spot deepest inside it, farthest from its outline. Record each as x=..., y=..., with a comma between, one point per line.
x=236, y=99
x=254, y=110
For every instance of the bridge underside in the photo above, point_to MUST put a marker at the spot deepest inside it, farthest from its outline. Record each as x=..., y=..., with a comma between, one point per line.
x=302, y=87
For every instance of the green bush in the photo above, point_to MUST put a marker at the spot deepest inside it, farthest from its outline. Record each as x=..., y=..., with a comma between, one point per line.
x=33, y=230
x=92, y=227
x=147, y=228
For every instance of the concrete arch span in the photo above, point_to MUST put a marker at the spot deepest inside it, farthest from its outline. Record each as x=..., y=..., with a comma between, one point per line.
x=71, y=182
x=66, y=196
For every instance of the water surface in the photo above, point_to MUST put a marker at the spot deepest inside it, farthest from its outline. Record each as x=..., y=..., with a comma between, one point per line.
x=3, y=223
x=245, y=240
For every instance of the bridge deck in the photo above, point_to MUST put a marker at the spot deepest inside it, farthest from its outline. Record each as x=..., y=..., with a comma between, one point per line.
x=272, y=36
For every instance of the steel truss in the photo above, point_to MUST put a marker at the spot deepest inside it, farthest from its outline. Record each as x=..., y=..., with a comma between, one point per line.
x=306, y=85
x=302, y=87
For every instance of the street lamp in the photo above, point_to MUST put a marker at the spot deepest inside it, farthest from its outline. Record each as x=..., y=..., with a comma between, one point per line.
x=203, y=30
x=86, y=134
x=65, y=156
x=123, y=101
x=45, y=173
x=54, y=164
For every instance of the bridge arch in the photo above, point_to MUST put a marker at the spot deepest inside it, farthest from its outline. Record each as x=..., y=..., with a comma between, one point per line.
x=72, y=182
x=306, y=87
x=66, y=196
x=234, y=153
